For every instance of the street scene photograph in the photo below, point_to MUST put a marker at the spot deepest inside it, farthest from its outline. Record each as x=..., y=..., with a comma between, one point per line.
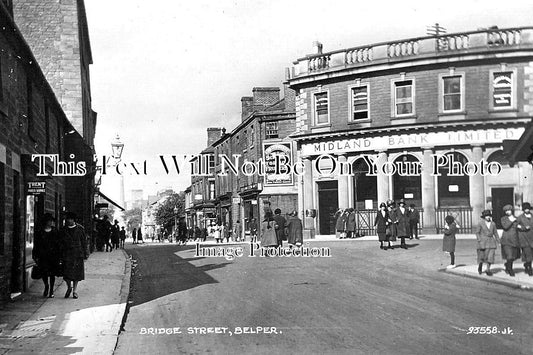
x=266, y=177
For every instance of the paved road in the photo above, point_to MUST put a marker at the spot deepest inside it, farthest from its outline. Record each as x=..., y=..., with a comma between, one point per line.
x=361, y=300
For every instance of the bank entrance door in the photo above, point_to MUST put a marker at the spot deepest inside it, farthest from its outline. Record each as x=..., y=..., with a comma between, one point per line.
x=501, y=196
x=328, y=203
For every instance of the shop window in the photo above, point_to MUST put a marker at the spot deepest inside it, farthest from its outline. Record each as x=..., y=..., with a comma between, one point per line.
x=404, y=103
x=407, y=182
x=321, y=104
x=503, y=90
x=360, y=103
x=365, y=187
x=211, y=189
x=452, y=93
x=272, y=130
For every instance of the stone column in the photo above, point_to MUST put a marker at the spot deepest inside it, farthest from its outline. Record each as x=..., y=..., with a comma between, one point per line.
x=429, y=203
x=308, y=200
x=382, y=179
x=477, y=187
x=342, y=191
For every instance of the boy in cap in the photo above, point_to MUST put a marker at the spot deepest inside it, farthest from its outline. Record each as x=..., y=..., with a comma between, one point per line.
x=487, y=241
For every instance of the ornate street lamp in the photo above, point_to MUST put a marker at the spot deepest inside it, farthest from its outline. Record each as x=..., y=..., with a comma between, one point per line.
x=117, y=146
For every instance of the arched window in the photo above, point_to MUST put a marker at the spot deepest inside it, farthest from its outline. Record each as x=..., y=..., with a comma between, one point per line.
x=407, y=182
x=499, y=157
x=364, y=187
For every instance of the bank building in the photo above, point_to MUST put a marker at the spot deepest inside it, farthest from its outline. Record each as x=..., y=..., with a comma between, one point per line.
x=457, y=95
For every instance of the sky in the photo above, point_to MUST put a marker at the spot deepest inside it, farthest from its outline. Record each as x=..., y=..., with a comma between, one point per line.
x=165, y=70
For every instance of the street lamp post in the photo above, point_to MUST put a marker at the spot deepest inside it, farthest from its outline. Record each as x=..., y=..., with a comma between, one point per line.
x=117, y=147
x=175, y=221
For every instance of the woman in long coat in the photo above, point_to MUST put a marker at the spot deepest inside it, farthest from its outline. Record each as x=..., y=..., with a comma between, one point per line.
x=487, y=240
x=340, y=223
x=509, y=241
x=448, y=241
x=47, y=253
x=74, y=248
x=381, y=222
x=525, y=236
x=402, y=223
x=294, y=225
x=350, y=223
x=391, y=206
x=268, y=231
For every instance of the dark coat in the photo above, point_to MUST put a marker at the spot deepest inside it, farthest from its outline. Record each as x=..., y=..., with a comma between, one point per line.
x=381, y=222
x=525, y=235
x=268, y=234
x=340, y=226
x=280, y=229
x=448, y=241
x=47, y=252
x=414, y=216
x=402, y=222
x=350, y=222
x=294, y=225
x=487, y=237
x=510, y=234
x=139, y=235
x=74, y=251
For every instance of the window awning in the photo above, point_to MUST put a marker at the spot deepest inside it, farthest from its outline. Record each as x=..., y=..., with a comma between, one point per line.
x=521, y=149
x=99, y=193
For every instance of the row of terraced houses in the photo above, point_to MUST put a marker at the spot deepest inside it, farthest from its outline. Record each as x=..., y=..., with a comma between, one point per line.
x=465, y=96
x=45, y=108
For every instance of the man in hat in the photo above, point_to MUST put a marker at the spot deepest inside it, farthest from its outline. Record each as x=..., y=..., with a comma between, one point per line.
x=74, y=251
x=402, y=223
x=487, y=241
x=510, y=243
x=391, y=207
x=281, y=223
x=525, y=236
x=414, y=219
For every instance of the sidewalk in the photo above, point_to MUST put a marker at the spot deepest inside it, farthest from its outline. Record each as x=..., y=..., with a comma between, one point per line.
x=88, y=325
x=520, y=280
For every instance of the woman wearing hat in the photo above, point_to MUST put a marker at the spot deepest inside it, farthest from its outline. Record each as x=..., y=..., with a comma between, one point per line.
x=382, y=222
x=510, y=243
x=402, y=223
x=47, y=253
x=525, y=236
x=487, y=241
x=391, y=207
x=74, y=246
x=294, y=225
x=448, y=241
x=340, y=225
x=268, y=231
x=350, y=223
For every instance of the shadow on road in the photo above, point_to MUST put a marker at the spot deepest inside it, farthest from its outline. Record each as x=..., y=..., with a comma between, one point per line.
x=160, y=272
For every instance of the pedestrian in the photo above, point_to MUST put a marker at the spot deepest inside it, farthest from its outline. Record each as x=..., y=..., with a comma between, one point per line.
x=268, y=231
x=402, y=223
x=448, y=241
x=122, y=237
x=350, y=223
x=295, y=230
x=525, y=236
x=115, y=235
x=197, y=234
x=105, y=233
x=487, y=242
x=391, y=207
x=383, y=224
x=204, y=234
x=74, y=252
x=344, y=221
x=139, y=235
x=509, y=242
x=237, y=231
x=253, y=230
x=414, y=220
x=216, y=233
x=134, y=235
x=47, y=253
x=340, y=223
x=281, y=225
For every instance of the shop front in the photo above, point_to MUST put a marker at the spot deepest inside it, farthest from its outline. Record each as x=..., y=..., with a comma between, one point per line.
x=444, y=172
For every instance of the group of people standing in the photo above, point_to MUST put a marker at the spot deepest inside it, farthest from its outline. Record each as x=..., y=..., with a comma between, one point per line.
x=393, y=223
x=60, y=253
x=112, y=236
x=516, y=240
x=275, y=229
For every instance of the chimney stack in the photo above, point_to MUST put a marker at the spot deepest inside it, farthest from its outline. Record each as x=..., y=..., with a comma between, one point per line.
x=265, y=96
x=247, y=106
x=213, y=134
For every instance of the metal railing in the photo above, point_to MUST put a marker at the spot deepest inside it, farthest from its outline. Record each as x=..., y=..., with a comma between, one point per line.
x=462, y=216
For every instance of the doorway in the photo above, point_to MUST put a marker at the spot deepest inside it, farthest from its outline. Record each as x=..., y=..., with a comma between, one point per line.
x=328, y=203
x=501, y=196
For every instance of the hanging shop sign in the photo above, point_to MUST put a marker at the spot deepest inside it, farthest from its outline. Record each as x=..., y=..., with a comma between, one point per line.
x=278, y=160
x=35, y=187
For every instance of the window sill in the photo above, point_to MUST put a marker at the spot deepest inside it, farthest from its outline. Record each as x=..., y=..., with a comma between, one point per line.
x=356, y=122
x=503, y=110
x=452, y=116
